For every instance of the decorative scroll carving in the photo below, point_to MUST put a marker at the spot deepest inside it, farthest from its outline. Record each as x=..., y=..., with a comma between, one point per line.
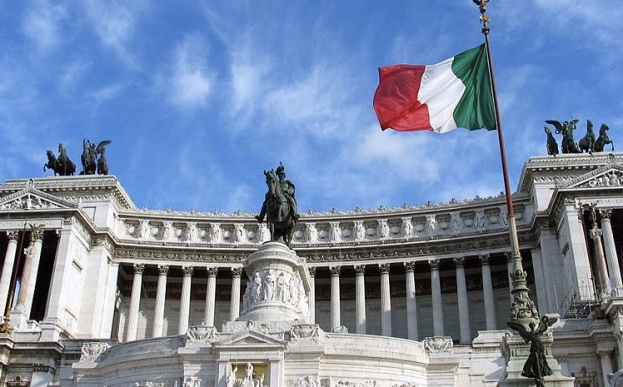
x=438, y=344
x=307, y=381
x=202, y=334
x=93, y=351
x=306, y=332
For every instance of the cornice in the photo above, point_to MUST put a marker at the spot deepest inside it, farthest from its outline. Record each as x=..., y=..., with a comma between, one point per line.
x=74, y=188
x=563, y=167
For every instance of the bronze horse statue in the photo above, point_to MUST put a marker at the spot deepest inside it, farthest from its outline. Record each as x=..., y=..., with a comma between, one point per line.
x=279, y=213
x=587, y=143
x=566, y=128
x=64, y=167
x=552, y=145
x=603, y=139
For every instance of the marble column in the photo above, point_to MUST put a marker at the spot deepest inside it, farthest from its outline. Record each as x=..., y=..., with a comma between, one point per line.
x=29, y=273
x=135, y=299
x=360, y=299
x=610, y=249
x=210, y=297
x=234, y=310
x=185, y=300
x=7, y=269
x=600, y=260
x=160, y=299
x=412, y=328
x=461, y=292
x=386, y=302
x=437, y=301
x=606, y=364
x=312, y=295
x=487, y=289
x=335, y=297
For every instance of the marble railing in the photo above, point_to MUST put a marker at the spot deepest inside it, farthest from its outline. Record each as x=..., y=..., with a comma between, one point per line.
x=356, y=228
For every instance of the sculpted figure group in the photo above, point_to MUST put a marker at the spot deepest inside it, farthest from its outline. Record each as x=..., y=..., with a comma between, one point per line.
x=589, y=143
x=91, y=163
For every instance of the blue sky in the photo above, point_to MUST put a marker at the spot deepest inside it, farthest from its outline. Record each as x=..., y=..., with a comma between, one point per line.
x=199, y=97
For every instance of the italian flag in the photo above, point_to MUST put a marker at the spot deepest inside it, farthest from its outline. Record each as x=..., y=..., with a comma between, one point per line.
x=455, y=93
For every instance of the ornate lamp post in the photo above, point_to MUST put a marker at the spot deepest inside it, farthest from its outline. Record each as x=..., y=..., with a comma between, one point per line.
x=524, y=317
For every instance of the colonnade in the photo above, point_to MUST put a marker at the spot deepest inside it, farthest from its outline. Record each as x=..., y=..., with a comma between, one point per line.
x=335, y=271
x=28, y=279
x=210, y=301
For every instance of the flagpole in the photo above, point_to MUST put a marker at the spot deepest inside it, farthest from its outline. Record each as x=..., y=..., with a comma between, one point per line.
x=523, y=310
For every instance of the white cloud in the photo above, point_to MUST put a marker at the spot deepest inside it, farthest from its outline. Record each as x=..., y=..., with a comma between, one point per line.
x=73, y=74
x=397, y=153
x=106, y=93
x=191, y=80
x=114, y=23
x=248, y=72
x=43, y=24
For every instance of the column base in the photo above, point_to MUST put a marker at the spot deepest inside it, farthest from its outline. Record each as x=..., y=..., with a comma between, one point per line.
x=52, y=331
x=18, y=320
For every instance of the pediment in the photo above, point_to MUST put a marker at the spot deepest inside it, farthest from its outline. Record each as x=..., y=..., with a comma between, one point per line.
x=610, y=175
x=251, y=338
x=32, y=199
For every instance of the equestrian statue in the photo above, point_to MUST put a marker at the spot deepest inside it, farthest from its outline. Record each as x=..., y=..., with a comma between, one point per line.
x=279, y=206
x=566, y=128
x=603, y=139
x=90, y=163
x=62, y=165
x=552, y=145
x=587, y=143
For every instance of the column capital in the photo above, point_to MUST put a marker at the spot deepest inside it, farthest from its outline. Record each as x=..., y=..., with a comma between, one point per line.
x=188, y=270
x=595, y=232
x=459, y=261
x=312, y=271
x=434, y=264
x=212, y=271
x=484, y=259
x=360, y=269
x=384, y=268
x=163, y=269
x=335, y=270
x=36, y=233
x=236, y=271
x=409, y=266
x=139, y=268
x=605, y=213
x=13, y=235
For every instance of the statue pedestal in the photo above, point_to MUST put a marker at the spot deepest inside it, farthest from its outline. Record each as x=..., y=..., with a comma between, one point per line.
x=278, y=285
x=516, y=352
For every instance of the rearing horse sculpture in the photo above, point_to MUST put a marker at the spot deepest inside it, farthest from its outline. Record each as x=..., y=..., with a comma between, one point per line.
x=587, y=143
x=279, y=213
x=603, y=139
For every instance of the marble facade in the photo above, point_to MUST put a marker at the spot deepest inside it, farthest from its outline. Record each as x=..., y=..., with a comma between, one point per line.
x=115, y=295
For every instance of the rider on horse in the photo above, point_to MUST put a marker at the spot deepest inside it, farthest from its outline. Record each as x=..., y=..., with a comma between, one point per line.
x=288, y=190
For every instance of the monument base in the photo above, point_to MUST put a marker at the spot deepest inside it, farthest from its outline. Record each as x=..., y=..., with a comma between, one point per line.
x=516, y=352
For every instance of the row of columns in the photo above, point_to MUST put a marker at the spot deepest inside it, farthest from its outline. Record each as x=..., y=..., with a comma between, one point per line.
x=28, y=278
x=210, y=304
x=606, y=258
x=360, y=302
x=412, y=323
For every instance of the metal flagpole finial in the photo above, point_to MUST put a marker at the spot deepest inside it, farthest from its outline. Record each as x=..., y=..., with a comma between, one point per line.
x=484, y=18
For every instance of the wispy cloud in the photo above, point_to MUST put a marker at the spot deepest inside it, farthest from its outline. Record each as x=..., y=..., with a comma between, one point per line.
x=114, y=23
x=191, y=80
x=43, y=24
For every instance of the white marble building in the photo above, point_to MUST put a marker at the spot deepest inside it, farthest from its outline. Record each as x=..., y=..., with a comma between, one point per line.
x=113, y=295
